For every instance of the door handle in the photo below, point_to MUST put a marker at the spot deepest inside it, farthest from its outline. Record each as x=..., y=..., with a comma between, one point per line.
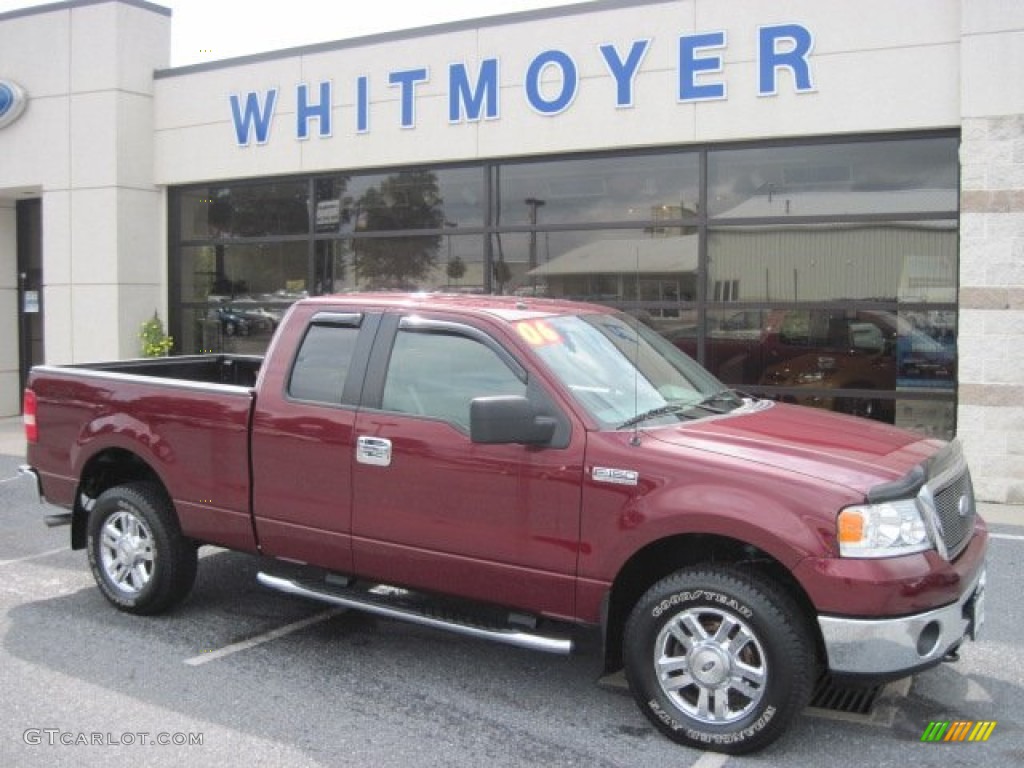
x=375, y=451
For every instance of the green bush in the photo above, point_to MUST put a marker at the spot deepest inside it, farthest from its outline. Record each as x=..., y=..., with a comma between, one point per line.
x=155, y=342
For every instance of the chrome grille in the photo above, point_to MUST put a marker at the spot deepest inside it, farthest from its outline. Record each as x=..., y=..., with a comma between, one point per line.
x=956, y=527
x=949, y=497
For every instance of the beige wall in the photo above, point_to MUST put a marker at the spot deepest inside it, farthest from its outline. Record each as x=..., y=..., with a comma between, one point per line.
x=84, y=146
x=990, y=417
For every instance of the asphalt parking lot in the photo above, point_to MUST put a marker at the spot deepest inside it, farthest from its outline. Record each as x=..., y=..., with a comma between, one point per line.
x=243, y=676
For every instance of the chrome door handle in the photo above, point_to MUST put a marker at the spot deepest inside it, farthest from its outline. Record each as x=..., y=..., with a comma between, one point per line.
x=375, y=451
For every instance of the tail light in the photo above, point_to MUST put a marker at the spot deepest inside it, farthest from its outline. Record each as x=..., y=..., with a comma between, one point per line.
x=29, y=415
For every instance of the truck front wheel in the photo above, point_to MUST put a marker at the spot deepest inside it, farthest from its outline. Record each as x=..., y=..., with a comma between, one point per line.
x=138, y=555
x=719, y=658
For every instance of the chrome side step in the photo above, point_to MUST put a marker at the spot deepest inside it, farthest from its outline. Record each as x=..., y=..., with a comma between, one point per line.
x=380, y=604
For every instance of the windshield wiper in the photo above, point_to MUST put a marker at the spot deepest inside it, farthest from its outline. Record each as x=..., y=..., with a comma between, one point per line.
x=663, y=410
x=732, y=396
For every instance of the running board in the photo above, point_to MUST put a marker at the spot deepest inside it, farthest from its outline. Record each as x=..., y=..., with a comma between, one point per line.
x=381, y=604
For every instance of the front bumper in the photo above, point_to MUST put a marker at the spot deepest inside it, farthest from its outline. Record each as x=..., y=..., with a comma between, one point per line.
x=894, y=647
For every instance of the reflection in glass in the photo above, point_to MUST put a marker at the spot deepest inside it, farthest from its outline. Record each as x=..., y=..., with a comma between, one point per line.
x=613, y=266
x=814, y=356
x=444, y=262
x=245, y=210
x=433, y=199
x=877, y=177
x=640, y=188
x=886, y=261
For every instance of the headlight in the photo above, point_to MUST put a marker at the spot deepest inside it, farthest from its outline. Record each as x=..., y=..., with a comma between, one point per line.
x=887, y=529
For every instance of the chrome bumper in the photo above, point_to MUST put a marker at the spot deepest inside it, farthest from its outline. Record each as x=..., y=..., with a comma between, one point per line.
x=28, y=472
x=54, y=520
x=886, y=647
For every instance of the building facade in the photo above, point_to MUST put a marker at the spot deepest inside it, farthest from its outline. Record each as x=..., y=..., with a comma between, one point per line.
x=821, y=209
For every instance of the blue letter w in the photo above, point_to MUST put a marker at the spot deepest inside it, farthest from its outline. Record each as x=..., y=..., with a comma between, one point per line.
x=256, y=118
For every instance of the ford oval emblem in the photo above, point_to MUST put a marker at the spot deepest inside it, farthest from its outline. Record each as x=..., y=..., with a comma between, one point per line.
x=12, y=102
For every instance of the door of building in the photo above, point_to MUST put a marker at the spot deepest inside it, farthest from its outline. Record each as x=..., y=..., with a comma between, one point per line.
x=30, y=285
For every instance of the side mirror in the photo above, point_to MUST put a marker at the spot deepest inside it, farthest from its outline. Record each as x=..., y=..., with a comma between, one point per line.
x=508, y=419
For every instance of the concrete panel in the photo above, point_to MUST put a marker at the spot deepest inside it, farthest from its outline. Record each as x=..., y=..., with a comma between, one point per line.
x=8, y=247
x=57, y=237
x=94, y=248
x=9, y=322
x=59, y=331
x=22, y=40
x=991, y=84
x=209, y=152
x=96, y=318
x=143, y=45
x=141, y=242
x=134, y=164
x=94, y=43
x=94, y=139
x=986, y=16
x=35, y=148
x=10, y=393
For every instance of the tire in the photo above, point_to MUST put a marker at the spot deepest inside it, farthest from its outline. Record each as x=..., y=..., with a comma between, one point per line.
x=138, y=555
x=719, y=659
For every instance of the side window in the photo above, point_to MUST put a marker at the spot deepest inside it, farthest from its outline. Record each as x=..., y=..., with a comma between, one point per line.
x=437, y=374
x=322, y=364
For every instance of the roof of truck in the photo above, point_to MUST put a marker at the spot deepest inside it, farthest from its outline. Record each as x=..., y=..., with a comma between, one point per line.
x=509, y=308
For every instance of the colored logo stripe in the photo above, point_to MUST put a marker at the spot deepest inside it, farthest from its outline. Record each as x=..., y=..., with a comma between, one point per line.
x=958, y=730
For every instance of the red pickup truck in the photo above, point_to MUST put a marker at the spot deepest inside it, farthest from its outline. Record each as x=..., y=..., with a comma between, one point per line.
x=524, y=470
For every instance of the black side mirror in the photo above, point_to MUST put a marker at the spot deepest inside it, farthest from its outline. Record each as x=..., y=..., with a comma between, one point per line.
x=508, y=419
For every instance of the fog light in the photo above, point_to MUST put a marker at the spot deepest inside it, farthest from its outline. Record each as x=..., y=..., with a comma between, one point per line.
x=928, y=639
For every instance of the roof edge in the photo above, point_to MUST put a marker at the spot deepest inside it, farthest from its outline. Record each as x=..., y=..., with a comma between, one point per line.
x=538, y=14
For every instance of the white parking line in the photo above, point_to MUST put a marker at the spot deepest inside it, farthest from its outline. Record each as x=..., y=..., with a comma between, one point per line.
x=1006, y=536
x=711, y=760
x=11, y=479
x=266, y=637
x=34, y=557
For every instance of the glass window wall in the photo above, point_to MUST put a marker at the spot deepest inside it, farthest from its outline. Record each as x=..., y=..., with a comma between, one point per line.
x=818, y=272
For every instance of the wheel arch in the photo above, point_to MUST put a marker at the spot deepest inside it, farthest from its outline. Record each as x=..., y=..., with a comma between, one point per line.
x=663, y=557
x=106, y=469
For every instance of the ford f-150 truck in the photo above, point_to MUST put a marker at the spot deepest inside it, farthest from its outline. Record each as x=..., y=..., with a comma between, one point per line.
x=525, y=470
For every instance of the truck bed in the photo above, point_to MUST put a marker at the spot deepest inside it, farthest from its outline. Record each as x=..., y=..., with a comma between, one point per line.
x=186, y=418
x=238, y=370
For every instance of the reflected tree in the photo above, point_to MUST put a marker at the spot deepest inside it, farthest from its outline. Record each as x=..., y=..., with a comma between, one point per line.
x=408, y=200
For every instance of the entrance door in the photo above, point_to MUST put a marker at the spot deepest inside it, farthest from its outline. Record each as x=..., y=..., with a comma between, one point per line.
x=30, y=285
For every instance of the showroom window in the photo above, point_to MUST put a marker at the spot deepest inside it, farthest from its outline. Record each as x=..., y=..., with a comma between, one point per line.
x=821, y=272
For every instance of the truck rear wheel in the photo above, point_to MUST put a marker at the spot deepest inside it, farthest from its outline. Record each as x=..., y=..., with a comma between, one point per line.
x=719, y=659
x=138, y=555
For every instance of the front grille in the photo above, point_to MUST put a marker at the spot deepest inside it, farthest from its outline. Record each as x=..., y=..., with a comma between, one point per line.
x=956, y=527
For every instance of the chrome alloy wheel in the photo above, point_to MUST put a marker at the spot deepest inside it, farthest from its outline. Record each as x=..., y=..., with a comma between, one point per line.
x=710, y=665
x=127, y=552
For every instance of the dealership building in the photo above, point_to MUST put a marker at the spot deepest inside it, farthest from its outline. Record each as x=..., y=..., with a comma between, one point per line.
x=821, y=200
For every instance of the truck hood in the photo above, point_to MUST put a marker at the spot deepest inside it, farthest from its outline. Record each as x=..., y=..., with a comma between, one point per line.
x=853, y=452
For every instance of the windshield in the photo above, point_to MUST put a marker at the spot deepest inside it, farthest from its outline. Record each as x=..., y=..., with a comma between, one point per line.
x=623, y=373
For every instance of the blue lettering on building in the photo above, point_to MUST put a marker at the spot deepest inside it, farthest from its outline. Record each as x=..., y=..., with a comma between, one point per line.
x=256, y=117
x=407, y=80
x=784, y=46
x=624, y=72
x=466, y=102
x=693, y=62
x=570, y=82
x=551, y=81
x=362, y=104
x=320, y=111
